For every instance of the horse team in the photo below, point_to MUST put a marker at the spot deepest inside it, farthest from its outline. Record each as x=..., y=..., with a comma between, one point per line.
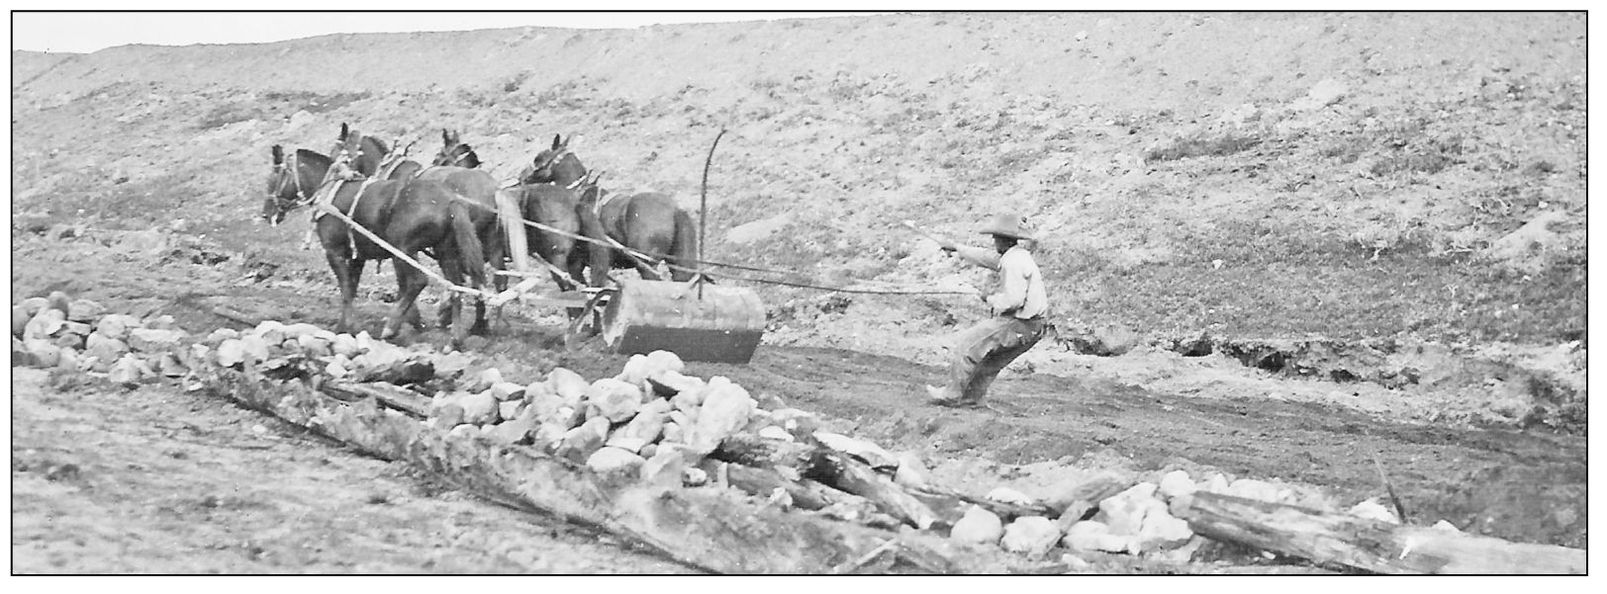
x=449, y=211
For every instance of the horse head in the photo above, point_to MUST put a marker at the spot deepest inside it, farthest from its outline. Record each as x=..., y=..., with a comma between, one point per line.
x=366, y=151
x=454, y=152
x=292, y=182
x=556, y=165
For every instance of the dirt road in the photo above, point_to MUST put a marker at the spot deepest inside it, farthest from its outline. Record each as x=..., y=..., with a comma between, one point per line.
x=168, y=481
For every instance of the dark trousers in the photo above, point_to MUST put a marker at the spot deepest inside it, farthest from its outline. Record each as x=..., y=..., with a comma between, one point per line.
x=985, y=350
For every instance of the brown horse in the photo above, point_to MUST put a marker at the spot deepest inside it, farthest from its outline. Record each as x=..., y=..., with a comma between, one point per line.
x=648, y=223
x=542, y=203
x=414, y=216
x=556, y=165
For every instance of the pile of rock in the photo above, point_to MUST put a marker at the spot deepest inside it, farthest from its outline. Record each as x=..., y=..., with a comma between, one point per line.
x=59, y=332
x=649, y=422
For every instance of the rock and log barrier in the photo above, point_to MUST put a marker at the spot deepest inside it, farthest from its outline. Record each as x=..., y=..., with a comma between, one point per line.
x=707, y=474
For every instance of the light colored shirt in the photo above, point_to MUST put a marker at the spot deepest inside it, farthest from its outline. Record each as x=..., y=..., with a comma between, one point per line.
x=1020, y=285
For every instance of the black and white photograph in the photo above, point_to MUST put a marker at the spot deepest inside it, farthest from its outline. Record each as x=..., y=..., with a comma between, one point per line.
x=1289, y=295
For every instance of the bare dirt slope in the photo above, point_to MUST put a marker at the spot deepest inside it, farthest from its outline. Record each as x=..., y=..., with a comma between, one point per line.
x=1415, y=180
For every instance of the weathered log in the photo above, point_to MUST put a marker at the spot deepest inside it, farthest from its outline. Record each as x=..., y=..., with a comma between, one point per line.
x=392, y=396
x=1335, y=539
x=805, y=493
x=1006, y=511
x=748, y=449
x=843, y=472
x=715, y=529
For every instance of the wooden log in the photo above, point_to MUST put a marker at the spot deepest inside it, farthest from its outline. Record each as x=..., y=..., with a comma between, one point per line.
x=748, y=449
x=1335, y=539
x=761, y=482
x=395, y=397
x=1006, y=511
x=715, y=529
x=842, y=472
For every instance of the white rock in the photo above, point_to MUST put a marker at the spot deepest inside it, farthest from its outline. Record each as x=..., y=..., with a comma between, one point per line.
x=45, y=353
x=1446, y=526
x=69, y=359
x=128, y=370
x=270, y=331
x=665, y=468
x=1176, y=483
x=1008, y=495
x=19, y=321
x=344, y=345
x=868, y=452
x=568, y=385
x=724, y=411
x=300, y=329
x=775, y=432
x=797, y=422
x=510, y=409
x=43, y=324
x=978, y=526
x=33, y=305
x=692, y=476
x=634, y=372
x=673, y=383
x=1373, y=510
x=335, y=369
x=1124, y=512
x=314, y=346
x=1258, y=489
x=507, y=391
x=84, y=310
x=1090, y=535
x=912, y=472
x=256, y=349
x=464, y=431
x=648, y=424
x=479, y=408
x=615, y=462
x=615, y=399
x=673, y=433
x=487, y=377
x=581, y=442
x=230, y=352
x=1031, y=535
x=624, y=442
x=216, y=336
x=1216, y=483
x=1162, y=530
x=364, y=341
x=549, y=434
x=148, y=340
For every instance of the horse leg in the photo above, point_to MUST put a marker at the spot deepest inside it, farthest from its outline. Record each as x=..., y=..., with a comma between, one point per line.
x=454, y=273
x=409, y=283
x=348, y=272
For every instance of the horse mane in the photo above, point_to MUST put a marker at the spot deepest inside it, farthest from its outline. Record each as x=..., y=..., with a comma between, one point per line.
x=313, y=156
x=378, y=144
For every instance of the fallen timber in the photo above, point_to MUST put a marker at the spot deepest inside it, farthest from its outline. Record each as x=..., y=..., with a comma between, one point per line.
x=1349, y=542
x=715, y=529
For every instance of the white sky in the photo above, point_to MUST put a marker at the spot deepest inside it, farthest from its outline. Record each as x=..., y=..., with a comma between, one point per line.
x=82, y=32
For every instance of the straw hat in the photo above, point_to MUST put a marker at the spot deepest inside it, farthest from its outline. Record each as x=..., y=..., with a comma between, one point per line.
x=1008, y=226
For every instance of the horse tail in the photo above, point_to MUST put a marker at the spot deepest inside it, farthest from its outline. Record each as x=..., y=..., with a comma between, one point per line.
x=470, y=252
x=685, y=251
x=510, y=214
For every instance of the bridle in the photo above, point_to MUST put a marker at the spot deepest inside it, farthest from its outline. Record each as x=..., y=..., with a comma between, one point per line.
x=291, y=169
x=552, y=163
x=459, y=153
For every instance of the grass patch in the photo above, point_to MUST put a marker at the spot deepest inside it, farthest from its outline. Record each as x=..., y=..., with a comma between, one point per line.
x=1202, y=146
